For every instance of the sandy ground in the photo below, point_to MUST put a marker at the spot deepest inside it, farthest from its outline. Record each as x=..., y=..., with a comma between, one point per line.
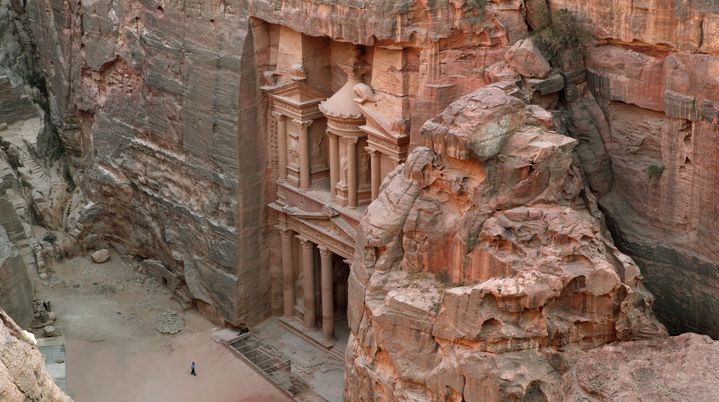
x=106, y=313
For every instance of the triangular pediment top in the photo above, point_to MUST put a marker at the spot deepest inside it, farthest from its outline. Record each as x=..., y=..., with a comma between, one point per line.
x=378, y=122
x=297, y=93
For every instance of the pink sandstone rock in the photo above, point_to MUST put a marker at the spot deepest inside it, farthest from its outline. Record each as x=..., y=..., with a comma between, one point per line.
x=681, y=368
x=527, y=60
x=485, y=279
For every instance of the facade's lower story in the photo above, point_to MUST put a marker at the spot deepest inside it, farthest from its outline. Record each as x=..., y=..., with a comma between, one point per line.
x=315, y=270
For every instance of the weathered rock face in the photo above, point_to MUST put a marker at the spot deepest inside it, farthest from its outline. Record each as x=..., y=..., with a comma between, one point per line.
x=482, y=278
x=155, y=103
x=22, y=371
x=648, y=146
x=15, y=287
x=668, y=369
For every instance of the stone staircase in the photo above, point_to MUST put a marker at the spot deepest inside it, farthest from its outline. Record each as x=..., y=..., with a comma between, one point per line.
x=27, y=156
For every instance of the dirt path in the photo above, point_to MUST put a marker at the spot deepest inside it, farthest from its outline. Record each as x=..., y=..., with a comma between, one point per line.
x=107, y=314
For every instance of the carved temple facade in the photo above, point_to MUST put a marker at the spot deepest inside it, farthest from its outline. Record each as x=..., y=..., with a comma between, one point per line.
x=337, y=127
x=338, y=117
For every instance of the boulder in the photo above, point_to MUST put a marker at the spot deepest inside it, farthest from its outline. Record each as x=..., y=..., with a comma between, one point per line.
x=525, y=58
x=100, y=256
x=476, y=125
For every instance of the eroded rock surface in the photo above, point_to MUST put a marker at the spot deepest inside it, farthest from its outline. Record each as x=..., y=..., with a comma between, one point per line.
x=155, y=104
x=22, y=371
x=483, y=280
x=680, y=368
x=648, y=145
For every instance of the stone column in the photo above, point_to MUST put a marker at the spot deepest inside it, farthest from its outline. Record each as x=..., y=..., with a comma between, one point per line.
x=374, y=171
x=334, y=164
x=352, y=172
x=308, y=282
x=288, y=282
x=328, y=314
x=281, y=145
x=304, y=151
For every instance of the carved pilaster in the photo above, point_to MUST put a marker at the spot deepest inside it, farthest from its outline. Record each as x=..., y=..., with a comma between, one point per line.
x=308, y=282
x=304, y=151
x=328, y=315
x=281, y=144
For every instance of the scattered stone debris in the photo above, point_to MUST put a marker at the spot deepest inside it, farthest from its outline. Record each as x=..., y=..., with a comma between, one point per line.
x=100, y=256
x=105, y=289
x=169, y=322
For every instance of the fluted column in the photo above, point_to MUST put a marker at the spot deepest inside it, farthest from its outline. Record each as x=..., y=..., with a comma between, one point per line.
x=374, y=173
x=281, y=145
x=334, y=164
x=288, y=282
x=308, y=282
x=328, y=314
x=352, y=172
x=304, y=151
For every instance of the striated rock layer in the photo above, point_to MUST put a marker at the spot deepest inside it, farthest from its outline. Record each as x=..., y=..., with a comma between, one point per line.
x=483, y=269
x=22, y=371
x=649, y=145
x=155, y=104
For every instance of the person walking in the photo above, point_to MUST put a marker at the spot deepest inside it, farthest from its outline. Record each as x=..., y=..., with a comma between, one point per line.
x=192, y=369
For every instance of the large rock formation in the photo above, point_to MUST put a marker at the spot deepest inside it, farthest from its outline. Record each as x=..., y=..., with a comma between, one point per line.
x=482, y=275
x=22, y=371
x=155, y=104
x=649, y=145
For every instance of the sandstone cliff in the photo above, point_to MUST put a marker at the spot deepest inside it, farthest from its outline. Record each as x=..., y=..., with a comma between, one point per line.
x=22, y=371
x=155, y=104
x=648, y=145
x=484, y=268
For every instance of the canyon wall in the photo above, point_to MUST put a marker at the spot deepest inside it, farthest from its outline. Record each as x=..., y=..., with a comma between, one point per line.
x=654, y=71
x=155, y=102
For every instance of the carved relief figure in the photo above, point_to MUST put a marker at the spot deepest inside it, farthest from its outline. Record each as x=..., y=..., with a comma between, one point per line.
x=363, y=169
x=293, y=156
x=318, y=161
x=343, y=164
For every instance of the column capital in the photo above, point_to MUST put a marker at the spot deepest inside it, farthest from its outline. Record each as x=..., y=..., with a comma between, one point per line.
x=303, y=123
x=371, y=151
x=277, y=115
x=352, y=140
x=285, y=232
x=305, y=242
x=324, y=251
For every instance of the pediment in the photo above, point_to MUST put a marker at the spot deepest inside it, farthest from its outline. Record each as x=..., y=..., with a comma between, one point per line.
x=297, y=93
x=379, y=124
